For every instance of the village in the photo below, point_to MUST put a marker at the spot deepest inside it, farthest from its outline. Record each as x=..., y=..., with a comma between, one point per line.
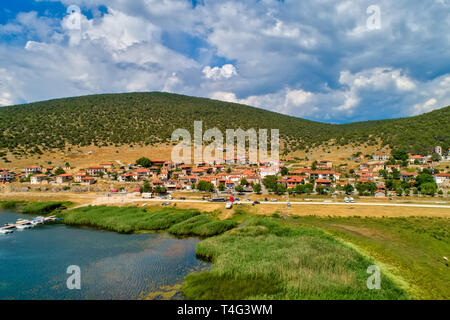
x=379, y=175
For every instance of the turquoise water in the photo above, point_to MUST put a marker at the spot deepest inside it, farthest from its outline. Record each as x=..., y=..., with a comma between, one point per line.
x=33, y=263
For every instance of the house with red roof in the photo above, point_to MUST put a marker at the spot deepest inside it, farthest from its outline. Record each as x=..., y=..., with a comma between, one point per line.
x=442, y=178
x=380, y=156
x=6, y=176
x=63, y=178
x=94, y=171
x=406, y=176
x=33, y=170
x=88, y=180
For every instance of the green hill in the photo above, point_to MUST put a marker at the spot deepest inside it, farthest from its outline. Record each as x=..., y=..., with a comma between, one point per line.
x=150, y=118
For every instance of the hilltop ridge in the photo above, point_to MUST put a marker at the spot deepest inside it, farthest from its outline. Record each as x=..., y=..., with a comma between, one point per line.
x=150, y=118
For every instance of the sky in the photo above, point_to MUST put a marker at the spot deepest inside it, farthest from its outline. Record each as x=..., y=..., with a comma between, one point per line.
x=333, y=61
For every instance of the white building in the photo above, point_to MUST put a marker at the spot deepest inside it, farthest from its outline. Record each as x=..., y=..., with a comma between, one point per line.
x=37, y=179
x=442, y=178
x=264, y=172
x=6, y=176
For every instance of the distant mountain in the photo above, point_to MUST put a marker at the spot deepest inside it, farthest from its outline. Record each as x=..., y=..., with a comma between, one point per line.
x=150, y=118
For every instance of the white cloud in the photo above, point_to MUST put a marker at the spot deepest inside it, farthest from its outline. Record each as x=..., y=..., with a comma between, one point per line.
x=217, y=73
x=377, y=78
x=308, y=59
x=427, y=106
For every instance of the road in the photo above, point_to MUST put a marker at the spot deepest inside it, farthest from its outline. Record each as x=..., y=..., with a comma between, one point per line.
x=109, y=200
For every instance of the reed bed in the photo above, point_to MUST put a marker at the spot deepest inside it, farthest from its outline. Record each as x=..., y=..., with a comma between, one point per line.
x=265, y=260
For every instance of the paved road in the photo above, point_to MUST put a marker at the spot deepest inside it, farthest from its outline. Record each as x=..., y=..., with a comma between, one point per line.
x=294, y=203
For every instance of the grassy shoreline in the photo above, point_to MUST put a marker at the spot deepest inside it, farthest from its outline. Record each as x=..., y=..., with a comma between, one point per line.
x=266, y=260
x=133, y=219
x=289, y=257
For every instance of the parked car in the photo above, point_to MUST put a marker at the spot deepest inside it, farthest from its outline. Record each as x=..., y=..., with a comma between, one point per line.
x=256, y=202
x=229, y=205
x=273, y=200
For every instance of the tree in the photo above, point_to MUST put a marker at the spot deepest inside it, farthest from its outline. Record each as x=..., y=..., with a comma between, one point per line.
x=348, y=188
x=395, y=174
x=59, y=171
x=221, y=187
x=371, y=187
x=428, y=188
x=321, y=190
x=270, y=182
x=257, y=188
x=146, y=187
x=206, y=186
x=309, y=187
x=280, y=188
x=424, y=177
x=399, y=191
x=400, y=155
x=159, y=190
x=239, y=188
x=436, y=157
x=314, y=165
x=244, y=182
x=284, y=171
x=300, y=188
x=144, y=162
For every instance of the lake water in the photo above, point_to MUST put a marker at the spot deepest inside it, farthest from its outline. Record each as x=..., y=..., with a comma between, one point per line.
x=34, y=262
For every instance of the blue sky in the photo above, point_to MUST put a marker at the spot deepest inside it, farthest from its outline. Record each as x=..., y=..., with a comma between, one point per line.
x=332, y=60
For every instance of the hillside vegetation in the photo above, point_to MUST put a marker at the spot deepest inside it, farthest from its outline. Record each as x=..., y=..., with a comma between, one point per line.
x=150, y=118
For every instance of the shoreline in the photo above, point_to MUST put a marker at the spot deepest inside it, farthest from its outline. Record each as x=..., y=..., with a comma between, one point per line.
x=347, y=231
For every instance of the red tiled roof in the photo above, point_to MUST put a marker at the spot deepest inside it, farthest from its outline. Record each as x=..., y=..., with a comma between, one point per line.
x=323, y=181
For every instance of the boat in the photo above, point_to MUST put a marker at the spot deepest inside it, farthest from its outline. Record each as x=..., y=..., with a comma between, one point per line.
x=23, y=226
x=6, y=231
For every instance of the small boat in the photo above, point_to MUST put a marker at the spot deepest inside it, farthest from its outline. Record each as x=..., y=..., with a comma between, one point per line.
x=23, y=226
x=6, y=231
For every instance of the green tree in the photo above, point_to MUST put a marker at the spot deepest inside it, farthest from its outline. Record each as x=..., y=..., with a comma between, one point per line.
x=159, y=190
x=239, y=188
x=59, y=171
x=348, y=188
x=428, y=188
x=400, y=155
x=244, y=182
x=221, y=187
x=321, y=190
x=280, y=188
x=146, y=187
x=144, y=162
x=257, y=188
x=300, y=188
x=205, y=186
x=270, y=182
x=284, y=171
